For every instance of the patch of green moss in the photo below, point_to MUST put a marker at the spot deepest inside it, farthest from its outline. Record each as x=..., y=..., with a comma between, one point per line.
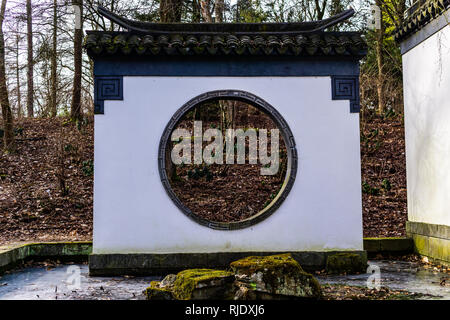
x=155, y=292
x=421, y=244
x=188, y=280
x=254, y=264
x=345, y=262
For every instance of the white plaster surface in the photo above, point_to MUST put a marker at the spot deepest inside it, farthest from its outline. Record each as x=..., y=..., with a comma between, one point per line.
x=426, y=78
x=133, y=214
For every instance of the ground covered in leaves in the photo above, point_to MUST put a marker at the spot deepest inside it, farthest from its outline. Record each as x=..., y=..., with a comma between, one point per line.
x=345, y=292
x=383, y=168
x=46, y=186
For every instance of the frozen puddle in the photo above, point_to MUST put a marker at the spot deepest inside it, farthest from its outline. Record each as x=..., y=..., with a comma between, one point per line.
x=73, y=282
x=70, y=282
x=400, y=275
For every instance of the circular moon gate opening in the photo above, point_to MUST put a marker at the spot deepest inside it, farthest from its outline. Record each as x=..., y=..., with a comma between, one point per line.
x=248, y=184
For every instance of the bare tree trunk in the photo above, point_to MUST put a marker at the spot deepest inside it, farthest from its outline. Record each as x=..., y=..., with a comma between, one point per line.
x=170, y=10
x=196, y=11
x=75, y=110
x=218, y=9
x=231, y=113
x=206, y=10
x=320, y=10
x=8, y=136
x=30, y=61
x=380, y=63
x=111, y=27
x=19, y=97
x=53, y=76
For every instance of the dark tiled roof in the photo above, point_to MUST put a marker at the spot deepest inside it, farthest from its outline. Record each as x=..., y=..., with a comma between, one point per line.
x=320, y=44
x=302, y=38
x=220, y=28
x=420, y=13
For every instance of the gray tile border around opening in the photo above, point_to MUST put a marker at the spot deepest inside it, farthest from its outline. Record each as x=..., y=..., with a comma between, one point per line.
x=288, y=138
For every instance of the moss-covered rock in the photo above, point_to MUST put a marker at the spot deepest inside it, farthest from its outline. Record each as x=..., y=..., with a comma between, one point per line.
x=157, y=292
x=275, y=276
x=269, y=277
x=203, y=284
x=344, y=262
x=195, y=284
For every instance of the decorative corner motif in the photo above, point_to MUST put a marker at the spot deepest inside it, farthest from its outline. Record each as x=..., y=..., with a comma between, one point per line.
x=346, y=88
x=106, y=88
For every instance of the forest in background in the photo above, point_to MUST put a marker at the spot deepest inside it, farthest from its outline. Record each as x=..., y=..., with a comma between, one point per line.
x=46, y=73
x=46, y=95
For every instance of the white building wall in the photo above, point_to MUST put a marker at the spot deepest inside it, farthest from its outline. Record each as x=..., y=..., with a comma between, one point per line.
x=133, y=214
x=426, y=78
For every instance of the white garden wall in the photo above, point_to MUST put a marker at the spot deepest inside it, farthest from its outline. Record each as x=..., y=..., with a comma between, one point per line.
x=426, y=78
x=133, y=214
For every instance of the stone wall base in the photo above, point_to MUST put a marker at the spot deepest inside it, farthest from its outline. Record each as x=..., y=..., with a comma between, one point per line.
x=163, y=264
x=431, y=240
x=12, y=256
